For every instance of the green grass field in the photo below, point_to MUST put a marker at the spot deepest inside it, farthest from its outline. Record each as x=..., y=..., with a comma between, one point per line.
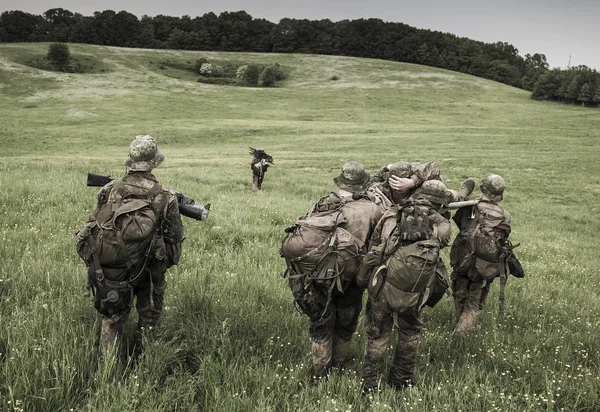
x=230, y=337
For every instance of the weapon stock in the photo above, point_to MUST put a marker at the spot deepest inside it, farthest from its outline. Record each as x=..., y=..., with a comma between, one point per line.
x=187, y=205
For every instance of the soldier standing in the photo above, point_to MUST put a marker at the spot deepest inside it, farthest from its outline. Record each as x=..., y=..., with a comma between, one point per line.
x=397, y=292
x=133, y=235
x=476, y=254
x=336, y=298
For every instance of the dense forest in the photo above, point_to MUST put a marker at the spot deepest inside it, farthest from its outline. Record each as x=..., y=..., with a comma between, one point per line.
x=373, y=38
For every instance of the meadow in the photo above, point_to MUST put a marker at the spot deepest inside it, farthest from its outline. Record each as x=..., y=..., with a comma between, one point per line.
x=230, y=338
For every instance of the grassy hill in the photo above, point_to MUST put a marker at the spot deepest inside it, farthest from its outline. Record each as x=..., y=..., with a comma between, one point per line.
x=230, y=338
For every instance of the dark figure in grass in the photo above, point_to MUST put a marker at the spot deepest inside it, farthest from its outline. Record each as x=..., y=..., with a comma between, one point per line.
x=133, y=235
x=259, y=165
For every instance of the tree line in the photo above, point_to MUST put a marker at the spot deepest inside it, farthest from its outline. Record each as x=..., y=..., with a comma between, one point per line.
x=239, y=31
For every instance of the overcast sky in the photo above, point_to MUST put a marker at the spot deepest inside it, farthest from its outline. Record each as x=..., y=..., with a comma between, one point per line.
x=560, y=29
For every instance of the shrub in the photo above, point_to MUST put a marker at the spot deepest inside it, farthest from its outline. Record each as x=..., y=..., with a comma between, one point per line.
x=199, y=64
x=211, y=70
x=268, y=77
x=241, y=72
x=279, y=74
x=251, y=75
x=334, y=78
x=59, y=56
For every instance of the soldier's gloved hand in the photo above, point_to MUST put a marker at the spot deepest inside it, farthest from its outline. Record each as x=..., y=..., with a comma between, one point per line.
x=401, y=184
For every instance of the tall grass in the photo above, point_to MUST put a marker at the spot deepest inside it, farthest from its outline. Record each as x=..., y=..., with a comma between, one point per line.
x=230, y=339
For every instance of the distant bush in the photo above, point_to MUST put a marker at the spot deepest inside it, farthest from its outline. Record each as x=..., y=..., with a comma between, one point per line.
x=211, y=70
x=334, y=78
x=268, y=77
x=251, y=75
x=199, y=64
x=271, y=74
x=279, y=74
x=59, y=56
x=241, y=72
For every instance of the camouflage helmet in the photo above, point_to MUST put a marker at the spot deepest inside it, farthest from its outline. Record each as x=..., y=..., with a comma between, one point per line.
x=353, y=177
x=143, y=154
x=400, y=169
x=492, y=187
x=433, y=190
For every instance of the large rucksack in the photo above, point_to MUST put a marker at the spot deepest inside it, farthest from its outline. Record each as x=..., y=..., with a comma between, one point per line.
x=480, y=244
x=117, y=243
x=409, y=271
x=321, y=257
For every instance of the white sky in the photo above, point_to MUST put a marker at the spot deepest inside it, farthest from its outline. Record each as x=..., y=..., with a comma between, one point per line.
x=560, y=29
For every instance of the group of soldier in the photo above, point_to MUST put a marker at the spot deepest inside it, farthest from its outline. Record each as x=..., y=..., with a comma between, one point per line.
x=370, y=207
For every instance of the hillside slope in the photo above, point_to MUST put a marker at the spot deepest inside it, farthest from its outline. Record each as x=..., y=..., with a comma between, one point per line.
x=230, y=337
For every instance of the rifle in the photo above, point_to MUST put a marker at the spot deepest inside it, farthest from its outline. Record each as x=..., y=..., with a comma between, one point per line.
x=187, y=205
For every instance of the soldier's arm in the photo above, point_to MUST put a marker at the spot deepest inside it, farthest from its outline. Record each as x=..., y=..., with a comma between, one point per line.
x=442, y=230
x=423, y=172
x=173, y=233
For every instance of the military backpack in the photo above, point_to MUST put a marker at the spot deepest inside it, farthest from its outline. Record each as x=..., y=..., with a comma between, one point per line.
x=480, y=243
x=117, y=243
x=409, y=261
x=321, y=257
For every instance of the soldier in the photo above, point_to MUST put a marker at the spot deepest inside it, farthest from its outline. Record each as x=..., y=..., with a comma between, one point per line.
x=476, y=254
x=148, y=242
x=397, y=292
x=338, y=305
x=398, y=181
x=260, y=164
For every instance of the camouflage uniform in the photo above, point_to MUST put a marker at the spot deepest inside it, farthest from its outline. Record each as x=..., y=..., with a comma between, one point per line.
x=380, y=192
x=470, y=285
x=389, y=307
x=332, y=332
x=149, y=292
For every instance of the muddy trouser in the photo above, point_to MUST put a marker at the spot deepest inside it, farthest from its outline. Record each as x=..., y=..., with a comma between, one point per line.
x=469, y=299
x=378, y=326
x=257, y=179
x=149, y=296
x=331, y=334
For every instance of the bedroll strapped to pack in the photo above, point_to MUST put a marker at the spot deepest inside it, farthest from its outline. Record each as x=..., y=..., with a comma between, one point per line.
x=320, y=257
x=117, y=246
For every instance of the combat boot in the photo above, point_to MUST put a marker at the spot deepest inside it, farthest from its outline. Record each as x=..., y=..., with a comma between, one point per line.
x=466, y=188
x=466, y=323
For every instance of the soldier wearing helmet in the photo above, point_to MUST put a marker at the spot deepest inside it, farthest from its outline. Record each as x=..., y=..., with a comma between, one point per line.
x=332, y=329
x=397, y=181
x=116, y=277
x=416, y=219
x=476, y=255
